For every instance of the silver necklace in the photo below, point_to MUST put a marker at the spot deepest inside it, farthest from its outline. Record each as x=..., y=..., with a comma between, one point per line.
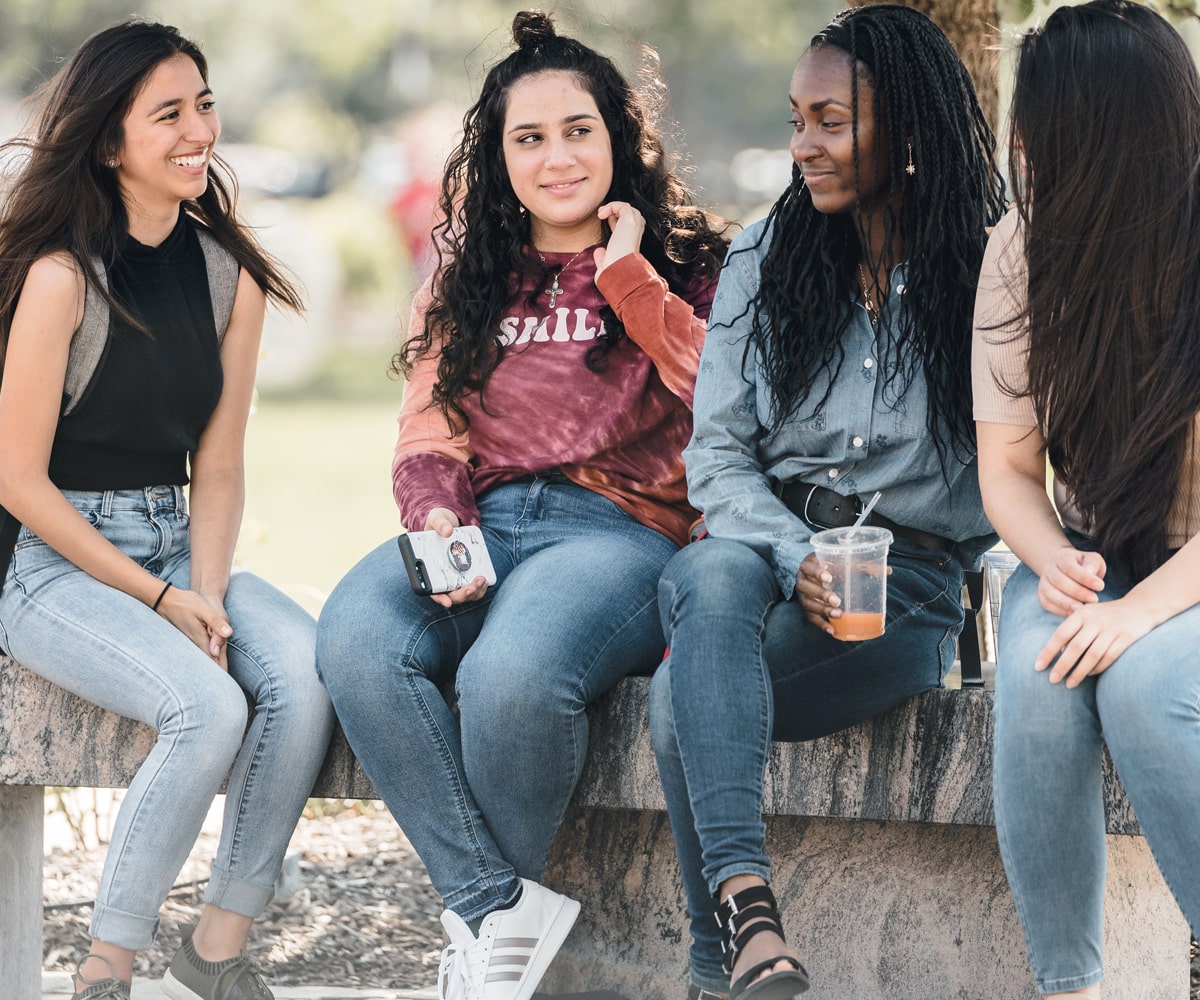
x=555, y=289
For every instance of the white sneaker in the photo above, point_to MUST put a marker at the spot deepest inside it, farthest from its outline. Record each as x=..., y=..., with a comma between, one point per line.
x=513, y=951
x=450, y=983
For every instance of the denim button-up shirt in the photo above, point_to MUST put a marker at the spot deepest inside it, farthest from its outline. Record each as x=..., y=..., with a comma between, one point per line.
x=862, y=440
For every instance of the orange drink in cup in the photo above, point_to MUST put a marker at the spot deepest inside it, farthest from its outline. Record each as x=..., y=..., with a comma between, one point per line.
x=856, y=559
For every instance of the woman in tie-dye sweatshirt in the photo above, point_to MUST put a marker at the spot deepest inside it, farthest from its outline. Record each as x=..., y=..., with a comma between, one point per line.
x=549, y=369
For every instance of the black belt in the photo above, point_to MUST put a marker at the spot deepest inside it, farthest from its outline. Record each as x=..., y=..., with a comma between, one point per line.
x=821, y=507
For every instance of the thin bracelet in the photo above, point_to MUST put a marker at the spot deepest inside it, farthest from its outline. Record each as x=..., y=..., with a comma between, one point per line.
x=154, y=606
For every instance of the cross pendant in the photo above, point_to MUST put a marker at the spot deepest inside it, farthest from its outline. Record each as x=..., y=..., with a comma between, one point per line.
x=554, y=291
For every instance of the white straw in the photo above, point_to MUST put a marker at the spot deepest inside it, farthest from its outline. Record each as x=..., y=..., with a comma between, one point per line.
x=866, y=511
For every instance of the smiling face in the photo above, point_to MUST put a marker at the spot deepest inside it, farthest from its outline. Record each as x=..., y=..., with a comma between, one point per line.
x=559, y=158
x=169, y=134
x=823, y=133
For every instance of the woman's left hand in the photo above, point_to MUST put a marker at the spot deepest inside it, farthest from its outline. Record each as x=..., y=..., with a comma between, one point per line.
x=1092, y=637
x=627, y=225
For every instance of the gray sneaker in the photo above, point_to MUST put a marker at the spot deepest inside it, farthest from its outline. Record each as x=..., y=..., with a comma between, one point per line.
x=191, y=977
x=111, y=988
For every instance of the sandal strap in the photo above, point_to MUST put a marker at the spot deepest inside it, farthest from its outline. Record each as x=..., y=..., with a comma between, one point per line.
x=744, y=914
x=743, y=981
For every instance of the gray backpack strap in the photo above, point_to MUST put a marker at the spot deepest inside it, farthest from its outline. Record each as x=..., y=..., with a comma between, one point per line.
x=89, y=341
x=223, y=270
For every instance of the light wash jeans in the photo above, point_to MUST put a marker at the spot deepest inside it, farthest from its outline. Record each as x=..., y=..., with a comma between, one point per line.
x=481, y=793
x=746, y=666
x=111, y=649
x=1047, y=778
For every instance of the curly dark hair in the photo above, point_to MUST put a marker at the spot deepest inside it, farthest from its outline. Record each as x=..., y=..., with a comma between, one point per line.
x=482, y=238
x=810, y=271
x=1106, y=115
x=66, y=197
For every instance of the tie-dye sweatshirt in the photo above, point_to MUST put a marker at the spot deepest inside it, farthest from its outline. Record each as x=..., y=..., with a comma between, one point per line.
x=619, y=432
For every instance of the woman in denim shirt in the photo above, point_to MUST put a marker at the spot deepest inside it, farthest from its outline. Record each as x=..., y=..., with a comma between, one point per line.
x=836, y=365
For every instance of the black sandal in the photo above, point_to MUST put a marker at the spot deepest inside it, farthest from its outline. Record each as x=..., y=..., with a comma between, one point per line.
x=742, y=916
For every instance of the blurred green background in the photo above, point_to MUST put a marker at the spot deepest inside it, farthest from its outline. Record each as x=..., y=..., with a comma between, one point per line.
x=337, y=117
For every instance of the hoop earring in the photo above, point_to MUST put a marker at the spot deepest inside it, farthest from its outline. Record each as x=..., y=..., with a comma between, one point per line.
x=911, y=168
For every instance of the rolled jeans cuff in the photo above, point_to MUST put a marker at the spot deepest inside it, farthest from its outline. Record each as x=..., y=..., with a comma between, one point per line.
x=240, y=896
x=124, y=930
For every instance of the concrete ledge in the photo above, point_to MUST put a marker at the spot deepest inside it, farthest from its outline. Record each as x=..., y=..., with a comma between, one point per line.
x=902, y=911
x=886, y=862
x=927, y=761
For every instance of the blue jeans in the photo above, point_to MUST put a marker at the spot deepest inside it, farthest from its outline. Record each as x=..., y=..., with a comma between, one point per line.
x=1047, y=776
x=745, y=667
x=481, y=793
x=111, y=649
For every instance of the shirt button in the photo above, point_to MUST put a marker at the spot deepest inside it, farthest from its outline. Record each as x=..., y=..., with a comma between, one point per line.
x=900, y=288
x=869, y=363
x=856, y=441
x=833, y=473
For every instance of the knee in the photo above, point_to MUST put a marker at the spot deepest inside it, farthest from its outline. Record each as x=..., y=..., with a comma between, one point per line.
x=533, y=692
x=212, y=715
x=353, y=626
x=1149, y=699
x=714, y=574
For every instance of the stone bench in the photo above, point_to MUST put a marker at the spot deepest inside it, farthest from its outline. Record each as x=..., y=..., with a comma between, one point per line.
x=882, y=838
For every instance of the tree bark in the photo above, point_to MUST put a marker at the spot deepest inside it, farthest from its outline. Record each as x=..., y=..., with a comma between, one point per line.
x=973, y=27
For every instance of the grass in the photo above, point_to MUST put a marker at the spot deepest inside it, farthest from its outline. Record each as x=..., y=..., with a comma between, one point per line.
x=318, y=478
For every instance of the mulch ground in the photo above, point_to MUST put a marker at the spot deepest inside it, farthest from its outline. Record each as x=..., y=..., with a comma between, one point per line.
x=364, y=915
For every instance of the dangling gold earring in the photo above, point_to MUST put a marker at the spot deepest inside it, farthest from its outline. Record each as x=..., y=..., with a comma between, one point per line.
x=911, y=168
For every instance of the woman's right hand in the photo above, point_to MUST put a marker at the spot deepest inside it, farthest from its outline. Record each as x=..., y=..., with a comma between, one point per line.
x=444, y=521
x=1070, y=579
x=201, y=619
x=817, y=602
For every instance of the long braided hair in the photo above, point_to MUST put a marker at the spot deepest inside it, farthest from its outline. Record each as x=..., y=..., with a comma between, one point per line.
x=809, y=274
x=1106, y=115
x=482, y=238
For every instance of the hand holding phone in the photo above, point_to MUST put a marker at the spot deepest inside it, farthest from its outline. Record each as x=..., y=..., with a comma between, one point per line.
x=437, y=565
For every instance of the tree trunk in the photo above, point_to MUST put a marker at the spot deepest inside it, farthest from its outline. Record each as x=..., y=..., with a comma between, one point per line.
x=973, y=27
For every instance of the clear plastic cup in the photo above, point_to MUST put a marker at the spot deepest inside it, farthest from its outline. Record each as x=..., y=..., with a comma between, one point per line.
x=856, y=559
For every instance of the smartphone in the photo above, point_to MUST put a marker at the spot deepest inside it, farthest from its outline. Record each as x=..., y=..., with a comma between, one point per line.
x=437, y=564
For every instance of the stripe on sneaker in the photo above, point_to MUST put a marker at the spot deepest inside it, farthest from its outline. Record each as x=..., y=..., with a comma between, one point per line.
x=503, y=977
x=517, y=942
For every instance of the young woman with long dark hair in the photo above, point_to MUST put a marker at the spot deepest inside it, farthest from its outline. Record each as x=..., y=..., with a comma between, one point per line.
x=550, y=369
x=836, y=365
x=131, y=309
x=1086, y=354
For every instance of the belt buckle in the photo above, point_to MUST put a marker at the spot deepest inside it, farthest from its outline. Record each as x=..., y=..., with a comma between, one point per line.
x=853, y=499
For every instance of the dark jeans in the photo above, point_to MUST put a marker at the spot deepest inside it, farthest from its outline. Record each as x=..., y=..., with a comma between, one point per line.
x=745, y=667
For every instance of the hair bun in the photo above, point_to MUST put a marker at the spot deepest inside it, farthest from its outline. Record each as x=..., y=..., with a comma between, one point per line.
x=532, y=28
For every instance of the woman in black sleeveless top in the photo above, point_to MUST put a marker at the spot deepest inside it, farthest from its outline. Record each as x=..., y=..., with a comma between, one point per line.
x=119, y=232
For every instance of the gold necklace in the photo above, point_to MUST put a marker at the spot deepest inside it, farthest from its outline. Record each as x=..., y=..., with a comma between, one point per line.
x=555, y=289
x=868, y=303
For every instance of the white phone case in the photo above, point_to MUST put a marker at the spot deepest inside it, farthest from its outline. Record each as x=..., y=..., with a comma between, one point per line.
x=437, y=565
